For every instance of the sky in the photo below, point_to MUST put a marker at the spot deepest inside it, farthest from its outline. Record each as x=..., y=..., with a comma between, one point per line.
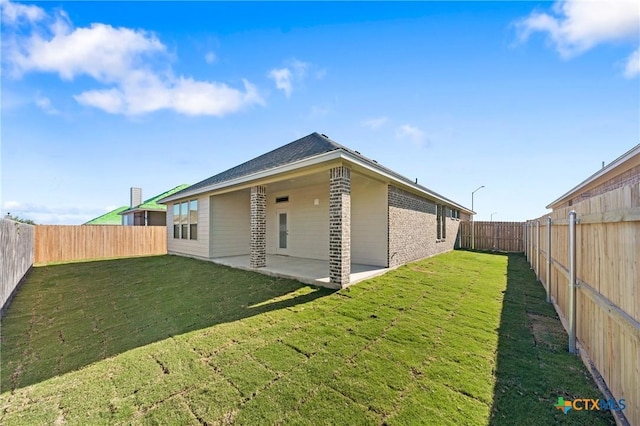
x=527, y=99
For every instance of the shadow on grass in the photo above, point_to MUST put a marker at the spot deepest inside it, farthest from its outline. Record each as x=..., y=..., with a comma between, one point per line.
x=534, y=367
x=68, y=316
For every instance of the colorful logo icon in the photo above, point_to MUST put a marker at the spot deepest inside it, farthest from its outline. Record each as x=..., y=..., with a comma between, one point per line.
x=563, y=405
x=588, y=404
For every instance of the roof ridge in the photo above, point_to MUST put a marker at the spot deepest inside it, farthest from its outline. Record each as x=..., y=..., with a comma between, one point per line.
x=165, y=194
x=113, y=213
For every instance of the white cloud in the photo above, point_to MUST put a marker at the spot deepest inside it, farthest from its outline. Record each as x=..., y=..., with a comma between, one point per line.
x=294, y=71
x=13, y=13
x=412, y=134
x=319, y=111
x=375, y=123
x=12, y=205
x=321, y=73
x=576, y=26
x=299, y=68
x=184, y=95
x=282, y=78
x=44, y=104
x=102, y=52
x=632, y=68
x=210, y=57
x=129, y=62
x=109, y=100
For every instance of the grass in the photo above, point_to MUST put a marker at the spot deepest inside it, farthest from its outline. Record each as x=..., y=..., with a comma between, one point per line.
x=461, y=338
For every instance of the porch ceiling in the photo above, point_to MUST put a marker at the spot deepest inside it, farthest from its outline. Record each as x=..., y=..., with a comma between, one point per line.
x=317, y=178
x=286, y=183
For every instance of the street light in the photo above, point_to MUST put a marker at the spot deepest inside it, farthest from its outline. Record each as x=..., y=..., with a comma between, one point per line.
x=473, y=245
x=492, y=216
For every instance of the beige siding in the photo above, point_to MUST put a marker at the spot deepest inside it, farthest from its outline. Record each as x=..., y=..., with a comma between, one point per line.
x=230, y=224
x=368, y=221
x=308, y=223
x=199, y=247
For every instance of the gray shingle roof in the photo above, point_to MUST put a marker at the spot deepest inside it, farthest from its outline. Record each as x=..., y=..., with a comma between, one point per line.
x=305, y=147
x=308, y=146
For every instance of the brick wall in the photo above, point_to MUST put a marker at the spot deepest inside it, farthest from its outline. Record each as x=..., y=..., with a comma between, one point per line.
x=412, y=228
x=340, y=226
x=258, y=247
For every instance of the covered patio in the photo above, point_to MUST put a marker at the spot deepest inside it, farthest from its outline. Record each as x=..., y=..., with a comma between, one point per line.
x=309, y=271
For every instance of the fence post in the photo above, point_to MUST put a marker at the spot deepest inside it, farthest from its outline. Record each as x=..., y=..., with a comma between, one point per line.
x=526, y=240
x=538, y=249
x=495, y=236
x=530, y=245
x=548, y=259
x=572, y=282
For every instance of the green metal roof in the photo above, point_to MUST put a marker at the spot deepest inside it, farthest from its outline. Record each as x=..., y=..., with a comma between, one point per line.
x=152, y=203
x=111, y=218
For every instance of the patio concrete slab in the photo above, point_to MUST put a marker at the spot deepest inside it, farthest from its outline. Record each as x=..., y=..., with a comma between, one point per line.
x=309, y=271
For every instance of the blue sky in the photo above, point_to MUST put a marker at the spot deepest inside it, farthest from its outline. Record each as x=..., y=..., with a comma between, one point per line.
x=525, y=98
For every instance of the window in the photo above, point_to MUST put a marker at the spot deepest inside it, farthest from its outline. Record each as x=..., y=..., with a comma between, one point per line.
x=441, y=223
x=193, y=219
x=176, y=221
x=185, y=220
x=455, y=214
x=284, y=199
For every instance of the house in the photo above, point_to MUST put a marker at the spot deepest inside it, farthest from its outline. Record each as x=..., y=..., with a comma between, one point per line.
x=149, y=212
x=623, y=171
x=110, y=218
x=138, y=212
x=312, y=199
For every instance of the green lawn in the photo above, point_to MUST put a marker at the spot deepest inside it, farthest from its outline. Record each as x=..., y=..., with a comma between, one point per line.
x=461, y=338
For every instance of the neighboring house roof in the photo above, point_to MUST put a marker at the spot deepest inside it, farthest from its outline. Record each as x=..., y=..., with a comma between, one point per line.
x=111, y=218
x=618, y=166
x=310, y=147
x=152, y=203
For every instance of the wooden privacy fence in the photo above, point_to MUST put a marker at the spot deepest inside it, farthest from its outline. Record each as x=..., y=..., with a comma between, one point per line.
x=62, y=243
x=16, y=257
x=496, y=236
x=607, y=284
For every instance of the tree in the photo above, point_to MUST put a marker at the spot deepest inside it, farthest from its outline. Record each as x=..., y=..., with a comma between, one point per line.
x=19, y=219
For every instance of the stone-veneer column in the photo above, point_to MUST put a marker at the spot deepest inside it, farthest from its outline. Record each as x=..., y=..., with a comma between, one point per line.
x=258, y=249
x=340, y=226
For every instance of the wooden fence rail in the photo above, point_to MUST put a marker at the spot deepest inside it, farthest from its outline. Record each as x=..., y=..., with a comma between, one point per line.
x=62, y=243
x=496, y=236
x=608, y=284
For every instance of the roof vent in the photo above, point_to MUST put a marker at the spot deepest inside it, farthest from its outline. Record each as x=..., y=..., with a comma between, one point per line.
x=324, y=135
x=357, y=152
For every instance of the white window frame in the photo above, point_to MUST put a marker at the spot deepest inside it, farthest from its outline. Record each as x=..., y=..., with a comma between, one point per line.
x=187, y=229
